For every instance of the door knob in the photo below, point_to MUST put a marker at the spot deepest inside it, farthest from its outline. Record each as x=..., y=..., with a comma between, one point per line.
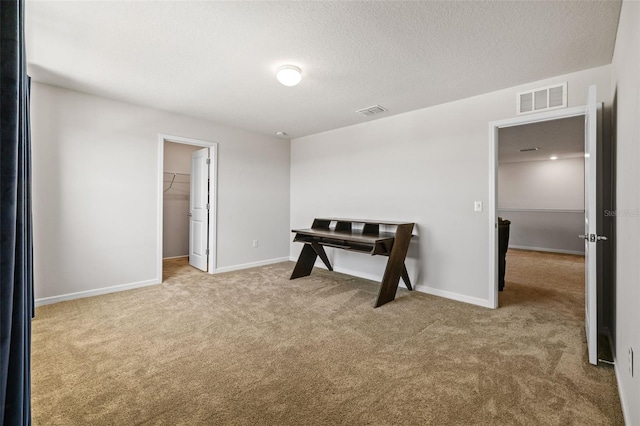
x=189, y=214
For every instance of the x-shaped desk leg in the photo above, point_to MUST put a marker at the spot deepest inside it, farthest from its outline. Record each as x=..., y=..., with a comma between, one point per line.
x=307, y=259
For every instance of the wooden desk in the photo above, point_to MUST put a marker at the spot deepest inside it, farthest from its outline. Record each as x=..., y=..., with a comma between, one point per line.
x=348, y=235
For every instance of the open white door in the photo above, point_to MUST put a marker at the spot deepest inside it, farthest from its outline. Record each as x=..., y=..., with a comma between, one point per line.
x=591, y=219
x=199, y=209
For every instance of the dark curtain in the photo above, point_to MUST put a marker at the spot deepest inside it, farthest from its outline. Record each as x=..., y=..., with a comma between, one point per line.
x=16, y=247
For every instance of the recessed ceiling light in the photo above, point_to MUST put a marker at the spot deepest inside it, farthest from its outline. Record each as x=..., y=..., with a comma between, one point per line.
x=282, y=134
x=553, y=158
x=289, y=75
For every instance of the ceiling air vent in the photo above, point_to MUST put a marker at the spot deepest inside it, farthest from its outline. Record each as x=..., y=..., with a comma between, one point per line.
x=543, y=99
x=529, y=149
x=376, y=109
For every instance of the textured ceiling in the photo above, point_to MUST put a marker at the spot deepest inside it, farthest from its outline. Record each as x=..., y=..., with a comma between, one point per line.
x=217, y=60
x=562, y=138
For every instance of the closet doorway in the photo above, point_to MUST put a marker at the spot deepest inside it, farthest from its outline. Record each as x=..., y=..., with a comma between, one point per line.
x=187, y=201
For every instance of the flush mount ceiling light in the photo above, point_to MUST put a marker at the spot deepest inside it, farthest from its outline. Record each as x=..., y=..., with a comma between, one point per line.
x=289, y=75
x=553, y=157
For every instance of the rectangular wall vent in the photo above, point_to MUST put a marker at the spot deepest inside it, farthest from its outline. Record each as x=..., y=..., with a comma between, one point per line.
x=529, y=149
x=375, y=109
x=543, y=99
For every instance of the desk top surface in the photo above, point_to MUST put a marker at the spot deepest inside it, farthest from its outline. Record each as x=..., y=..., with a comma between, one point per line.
x=374, y=222
x=355, y=235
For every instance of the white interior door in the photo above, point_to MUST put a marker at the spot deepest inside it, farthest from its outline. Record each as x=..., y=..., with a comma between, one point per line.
x=591, y=218
x=199, y=209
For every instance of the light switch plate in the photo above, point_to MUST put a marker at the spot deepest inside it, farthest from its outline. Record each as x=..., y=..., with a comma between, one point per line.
x=477, y=206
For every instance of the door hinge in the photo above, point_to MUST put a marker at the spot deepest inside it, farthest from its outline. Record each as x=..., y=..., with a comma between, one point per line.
x=206, y=252
x=207, y=206
x=208, y=160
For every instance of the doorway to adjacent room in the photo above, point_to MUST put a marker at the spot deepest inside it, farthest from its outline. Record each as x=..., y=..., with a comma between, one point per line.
x=591, y=234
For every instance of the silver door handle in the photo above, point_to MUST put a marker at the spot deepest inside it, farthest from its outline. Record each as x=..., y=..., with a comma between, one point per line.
x=189, y=214
x=593, y=237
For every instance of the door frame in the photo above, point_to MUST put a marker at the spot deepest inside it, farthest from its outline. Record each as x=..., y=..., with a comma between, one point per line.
x=213, y=198
x=494, y=127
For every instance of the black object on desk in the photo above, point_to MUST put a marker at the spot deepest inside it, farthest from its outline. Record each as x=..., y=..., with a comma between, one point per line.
x=368, y=239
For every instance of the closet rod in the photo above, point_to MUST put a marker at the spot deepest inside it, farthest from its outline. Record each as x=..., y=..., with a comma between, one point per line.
x=173, y=179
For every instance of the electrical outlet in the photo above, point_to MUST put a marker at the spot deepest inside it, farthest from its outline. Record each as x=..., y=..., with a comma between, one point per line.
x=631, y=361
x=255, y=243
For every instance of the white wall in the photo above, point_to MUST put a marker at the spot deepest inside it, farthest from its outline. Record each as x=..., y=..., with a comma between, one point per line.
x=175, y=205
x=95, y=192
x=626, y=89
x=426, y=166
x=547, y=184
x=544, y=200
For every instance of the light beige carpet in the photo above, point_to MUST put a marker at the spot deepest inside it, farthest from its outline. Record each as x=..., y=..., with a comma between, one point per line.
x=253, y=348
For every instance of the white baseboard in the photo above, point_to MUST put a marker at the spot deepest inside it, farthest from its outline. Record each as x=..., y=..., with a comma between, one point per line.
x=123, y=287
x=359, y=274
x=455, y=296
x=423, y=289
x=547, y=250
x=175, y=257
x=250, y=265
x=347, y=271
x=616, y=365
x=96, y=292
